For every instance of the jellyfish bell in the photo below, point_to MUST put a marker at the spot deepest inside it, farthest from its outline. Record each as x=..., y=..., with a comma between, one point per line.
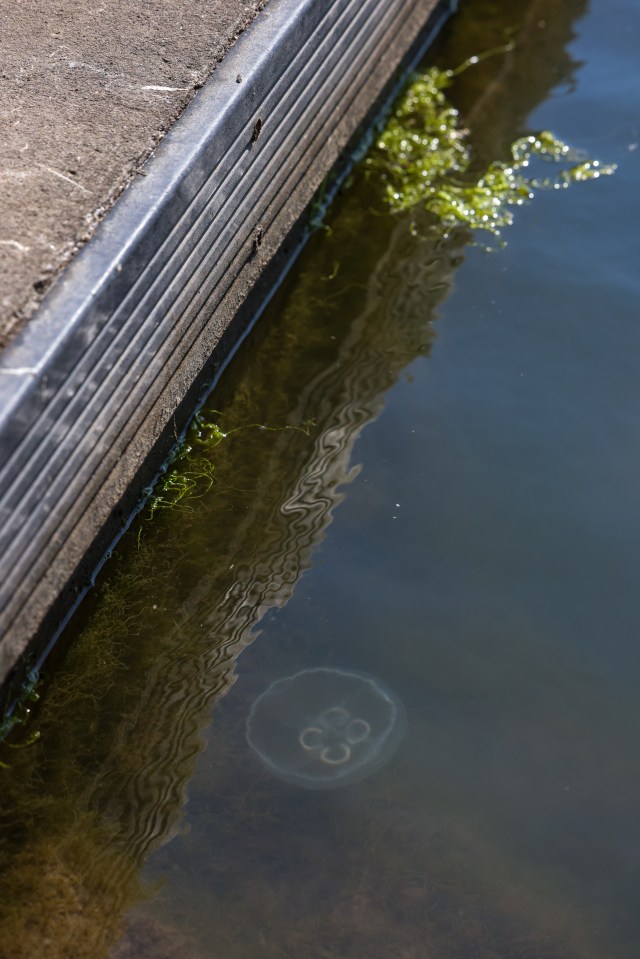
x=325, y=728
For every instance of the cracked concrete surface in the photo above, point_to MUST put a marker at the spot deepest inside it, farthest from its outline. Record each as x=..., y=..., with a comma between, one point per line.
x=86, y=92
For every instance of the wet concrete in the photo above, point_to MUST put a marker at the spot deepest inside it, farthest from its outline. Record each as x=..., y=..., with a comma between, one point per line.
x=86, y=93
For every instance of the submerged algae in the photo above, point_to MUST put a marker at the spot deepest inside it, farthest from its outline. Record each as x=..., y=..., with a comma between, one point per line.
x=189, y=472
x=423, y=159
x=20, y=713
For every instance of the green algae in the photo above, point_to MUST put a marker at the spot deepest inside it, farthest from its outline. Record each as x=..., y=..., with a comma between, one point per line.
x=190, y=472
x=423, y=159
x=21, y=713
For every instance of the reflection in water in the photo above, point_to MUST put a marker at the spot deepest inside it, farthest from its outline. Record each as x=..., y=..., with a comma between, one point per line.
x=497, y=99
x=161, y=642
x=121, y=721
x=125, y=713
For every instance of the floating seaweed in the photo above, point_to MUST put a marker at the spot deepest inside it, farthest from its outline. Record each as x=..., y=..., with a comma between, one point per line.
x=423, y=159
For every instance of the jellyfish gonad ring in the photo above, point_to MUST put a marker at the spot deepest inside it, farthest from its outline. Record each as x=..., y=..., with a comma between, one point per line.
x=335, y=755
x=357, y=731
x=311, y=737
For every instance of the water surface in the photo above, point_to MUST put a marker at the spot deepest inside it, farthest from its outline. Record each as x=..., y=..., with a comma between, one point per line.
x=446, y=499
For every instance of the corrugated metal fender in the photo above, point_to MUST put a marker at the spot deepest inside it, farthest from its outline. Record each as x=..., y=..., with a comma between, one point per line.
x=104, y=372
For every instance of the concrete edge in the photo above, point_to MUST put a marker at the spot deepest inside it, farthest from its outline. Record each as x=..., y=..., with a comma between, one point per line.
x=106, y=373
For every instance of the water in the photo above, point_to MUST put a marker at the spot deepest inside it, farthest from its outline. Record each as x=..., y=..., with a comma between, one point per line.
x=447, y=501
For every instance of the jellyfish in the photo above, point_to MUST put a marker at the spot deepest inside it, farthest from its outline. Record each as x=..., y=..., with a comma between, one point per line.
x=324, y=728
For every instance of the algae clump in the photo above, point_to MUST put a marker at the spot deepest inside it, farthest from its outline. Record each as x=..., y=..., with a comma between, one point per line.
x=424, y=159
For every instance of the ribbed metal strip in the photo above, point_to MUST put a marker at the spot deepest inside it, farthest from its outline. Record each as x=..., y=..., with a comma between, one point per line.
x=139, y=300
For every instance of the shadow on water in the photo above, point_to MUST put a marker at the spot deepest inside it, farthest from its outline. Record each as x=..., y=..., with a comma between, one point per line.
x=127, y=709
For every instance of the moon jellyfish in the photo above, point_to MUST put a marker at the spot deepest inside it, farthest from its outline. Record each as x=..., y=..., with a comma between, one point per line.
x=324, y=728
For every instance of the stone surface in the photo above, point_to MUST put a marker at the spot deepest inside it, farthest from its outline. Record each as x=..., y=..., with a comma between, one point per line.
x=86, y=92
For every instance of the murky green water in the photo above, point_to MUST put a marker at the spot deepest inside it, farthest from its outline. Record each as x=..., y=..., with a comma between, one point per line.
x=448, y=501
